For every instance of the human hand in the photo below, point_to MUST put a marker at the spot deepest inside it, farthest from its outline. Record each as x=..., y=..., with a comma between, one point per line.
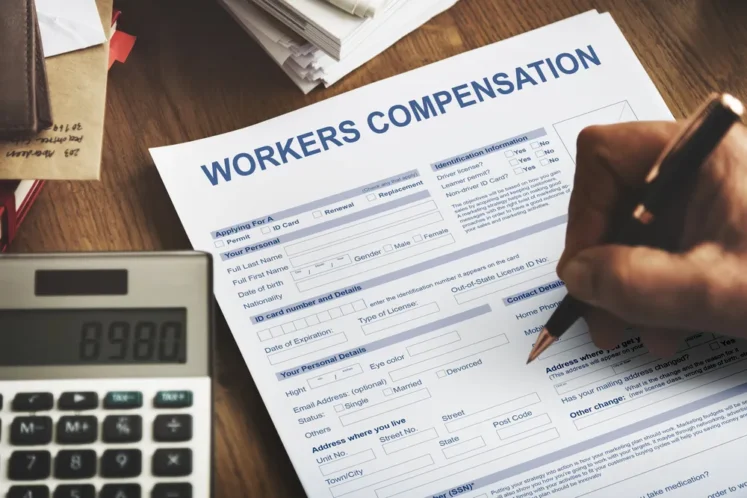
x=702, y=286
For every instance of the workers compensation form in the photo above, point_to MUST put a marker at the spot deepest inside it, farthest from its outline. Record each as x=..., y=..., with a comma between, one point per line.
x=386, y=258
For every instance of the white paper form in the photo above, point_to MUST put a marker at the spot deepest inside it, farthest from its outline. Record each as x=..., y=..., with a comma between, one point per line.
x=386, y=258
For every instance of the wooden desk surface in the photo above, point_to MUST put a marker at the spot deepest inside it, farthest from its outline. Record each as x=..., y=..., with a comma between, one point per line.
x=195, y=73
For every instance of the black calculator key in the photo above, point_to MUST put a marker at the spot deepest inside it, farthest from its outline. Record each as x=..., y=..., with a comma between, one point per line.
x=75, y=464
x=29, y=465
x=123, y=428
x=172, y=428
x=121, y=463
x=78, y=401
x=172, y=490
x=28, y=492
x=120, y=491
x=32, y=402
x=80, y=429
x=29, y=431
x=118, y=400
x=173, y=399
x=75, y=491
x=174, y=462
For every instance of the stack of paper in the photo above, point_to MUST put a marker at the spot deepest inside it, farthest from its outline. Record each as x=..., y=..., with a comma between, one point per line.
x=361, y=8
x=312, y=55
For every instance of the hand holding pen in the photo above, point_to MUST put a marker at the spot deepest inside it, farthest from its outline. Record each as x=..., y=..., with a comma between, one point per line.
x=685, y=271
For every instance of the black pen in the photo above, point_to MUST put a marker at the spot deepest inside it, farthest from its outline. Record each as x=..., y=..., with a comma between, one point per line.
x=677, y=166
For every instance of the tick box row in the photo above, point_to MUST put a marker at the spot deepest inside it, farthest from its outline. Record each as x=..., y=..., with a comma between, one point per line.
x=534, y=145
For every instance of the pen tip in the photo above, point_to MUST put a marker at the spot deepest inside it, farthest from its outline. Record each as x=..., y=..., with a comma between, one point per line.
x=544, y=341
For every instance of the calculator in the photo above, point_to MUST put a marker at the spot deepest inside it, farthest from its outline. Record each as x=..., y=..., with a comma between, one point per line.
x=106, y=375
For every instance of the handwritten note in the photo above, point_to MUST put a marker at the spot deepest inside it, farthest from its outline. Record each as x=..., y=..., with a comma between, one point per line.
x=67, y=137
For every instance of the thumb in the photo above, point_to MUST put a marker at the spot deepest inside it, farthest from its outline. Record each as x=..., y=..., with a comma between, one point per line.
x=704, y=289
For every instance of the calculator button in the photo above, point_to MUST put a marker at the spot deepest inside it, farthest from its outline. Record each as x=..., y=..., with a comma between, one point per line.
x=172, y=428
x=29, y=431
x=32, y=402
x=78, y=401
x=123, y=399
x=120, y=491
x=77, y=429
x=173, y=399
x=75, y=491
x=121, y=463
x=29, y=465
x=173, y=462
x=28, y=492
x=75, y=464
x=123, y=428
x=171, y=490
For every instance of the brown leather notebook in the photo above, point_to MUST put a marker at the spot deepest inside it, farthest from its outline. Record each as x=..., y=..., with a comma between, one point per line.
x=24, y=95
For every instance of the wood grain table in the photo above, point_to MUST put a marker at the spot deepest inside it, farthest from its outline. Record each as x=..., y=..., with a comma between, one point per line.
x=195, y=73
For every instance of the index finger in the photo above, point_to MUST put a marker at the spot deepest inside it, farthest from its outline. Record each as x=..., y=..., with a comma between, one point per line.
x=610, y=160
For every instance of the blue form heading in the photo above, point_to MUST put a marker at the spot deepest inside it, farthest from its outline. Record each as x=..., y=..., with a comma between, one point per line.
x=379, y=122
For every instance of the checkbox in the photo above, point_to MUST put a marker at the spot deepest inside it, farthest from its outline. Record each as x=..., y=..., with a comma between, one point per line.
x=312, y=320
x=715, y=346
x=544, y=162
x=276, y=331
x=335, y=313
x=219, y=243
x=535, y=145
x=371, y=197
x=388, y=248
x=264, y=335
x=518, y=171
x=265, y=229
x=539, y=153
x=317, y=214
x=347, y=309
x=359, y=305
x=300, y=324
x=509, y=153
x=417, y=238
x=288, y=328
x=387, y=391
x=514, y=162
x=441, y=373
x=339, y=408
x=324, y=316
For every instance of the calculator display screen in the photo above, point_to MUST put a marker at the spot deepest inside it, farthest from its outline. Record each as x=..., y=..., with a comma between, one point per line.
x=93, y=336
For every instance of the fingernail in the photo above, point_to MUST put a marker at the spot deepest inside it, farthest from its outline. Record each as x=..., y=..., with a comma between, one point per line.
x=577, y=277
